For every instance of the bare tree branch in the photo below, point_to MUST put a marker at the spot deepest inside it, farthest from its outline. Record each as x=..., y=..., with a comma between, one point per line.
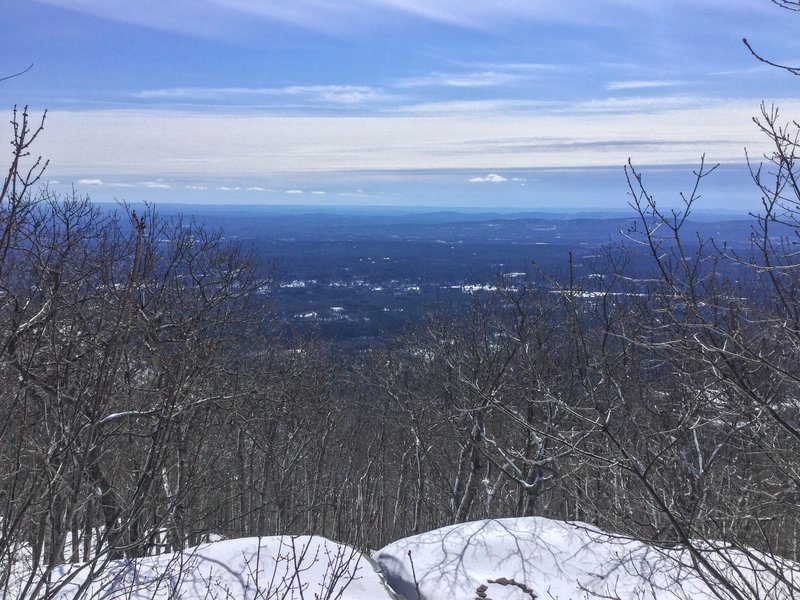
x=792, y=70
x=792, y=5
x=30, y=66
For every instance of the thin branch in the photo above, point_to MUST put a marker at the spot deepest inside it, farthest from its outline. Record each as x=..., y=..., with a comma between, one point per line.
x=792, y=70
x=792, y=5
x=30, y=66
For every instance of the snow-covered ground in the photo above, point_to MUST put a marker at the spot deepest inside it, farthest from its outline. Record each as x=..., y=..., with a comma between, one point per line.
x=267, y=568
x=504, y=559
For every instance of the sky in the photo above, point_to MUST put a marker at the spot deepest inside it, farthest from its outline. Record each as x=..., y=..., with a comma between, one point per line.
x=534, y=104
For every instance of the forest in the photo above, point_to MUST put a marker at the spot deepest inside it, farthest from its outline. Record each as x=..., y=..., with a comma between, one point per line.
x=147, y=405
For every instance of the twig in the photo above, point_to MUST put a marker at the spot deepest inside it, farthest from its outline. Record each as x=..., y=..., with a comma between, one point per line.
x=792, y=70
x=414, y=575
x=30, y=66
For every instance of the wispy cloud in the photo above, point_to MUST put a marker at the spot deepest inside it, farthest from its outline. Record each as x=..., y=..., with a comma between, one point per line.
x=489, y=14
x=526, y=68
x=462, y=80
x=471, y=107
x=600, y=106
x=223, y=18
x=122, y=184
x=335, y=94
x=758, y=68
x=644, y=84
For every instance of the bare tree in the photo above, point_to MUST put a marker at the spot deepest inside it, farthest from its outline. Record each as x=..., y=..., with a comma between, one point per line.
x=120, y=340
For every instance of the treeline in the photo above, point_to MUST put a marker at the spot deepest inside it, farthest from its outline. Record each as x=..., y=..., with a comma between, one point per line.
x=146, y=403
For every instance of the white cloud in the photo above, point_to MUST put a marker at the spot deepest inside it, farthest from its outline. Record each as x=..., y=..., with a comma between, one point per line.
x=331, y=94
x=490, y=178
x=155, y=185
x=294, y=191
x=473, y=107
x=644, y=84
x=318, y=193
x=170, y=145
x=345, y=94
x=462, y=80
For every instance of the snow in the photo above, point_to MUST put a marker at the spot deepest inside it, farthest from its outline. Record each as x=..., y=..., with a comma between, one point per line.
x=288, y=567
x=501, y=559
x=472, y=288
x=556, y=560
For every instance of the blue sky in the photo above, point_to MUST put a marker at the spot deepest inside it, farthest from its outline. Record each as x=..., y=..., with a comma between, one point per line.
x=534, y=104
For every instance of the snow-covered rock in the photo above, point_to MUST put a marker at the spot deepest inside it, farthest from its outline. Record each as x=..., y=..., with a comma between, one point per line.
x=287, y=567
x=514, y=559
